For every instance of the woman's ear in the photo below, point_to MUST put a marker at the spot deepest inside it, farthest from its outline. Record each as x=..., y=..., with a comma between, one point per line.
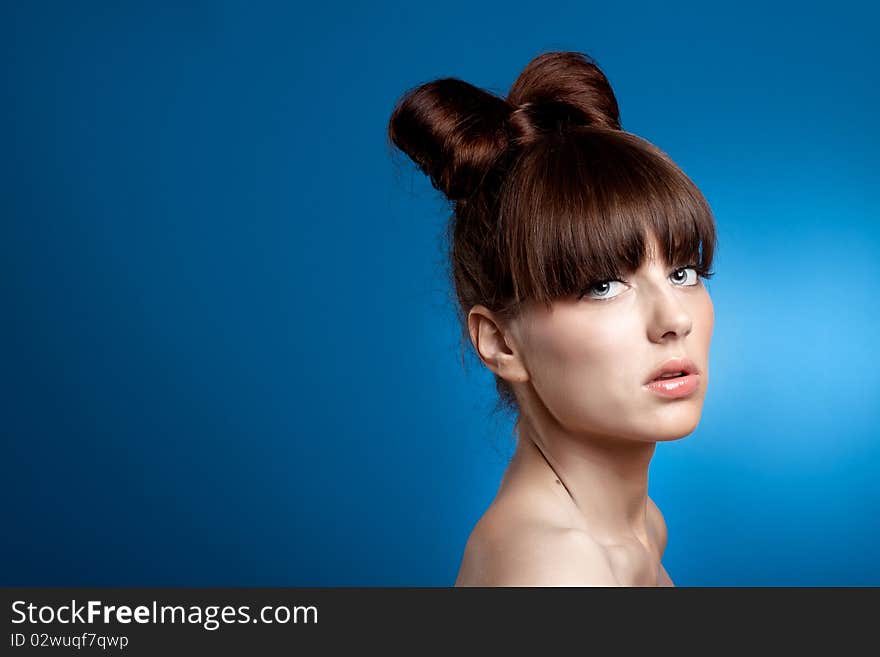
x=496, y=346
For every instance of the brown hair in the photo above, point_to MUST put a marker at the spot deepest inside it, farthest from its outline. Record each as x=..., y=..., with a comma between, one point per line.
x=550, y=194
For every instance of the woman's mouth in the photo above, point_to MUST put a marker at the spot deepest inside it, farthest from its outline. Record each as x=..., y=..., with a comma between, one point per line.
x=674, y=386
x=676, y=377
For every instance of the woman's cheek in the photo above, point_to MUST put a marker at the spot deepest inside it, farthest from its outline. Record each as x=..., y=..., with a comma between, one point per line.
x=571, y=372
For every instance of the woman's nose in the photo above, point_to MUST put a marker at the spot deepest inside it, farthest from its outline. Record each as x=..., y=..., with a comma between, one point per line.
x=668, y=317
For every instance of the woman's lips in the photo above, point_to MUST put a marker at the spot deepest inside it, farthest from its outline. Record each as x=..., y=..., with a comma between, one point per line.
x=680, y=386
x=674, y=365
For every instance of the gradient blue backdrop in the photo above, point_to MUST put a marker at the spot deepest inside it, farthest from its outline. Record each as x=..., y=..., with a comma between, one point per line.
x=228, y=352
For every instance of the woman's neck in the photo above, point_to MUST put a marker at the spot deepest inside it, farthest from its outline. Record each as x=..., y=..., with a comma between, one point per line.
x=605, y=478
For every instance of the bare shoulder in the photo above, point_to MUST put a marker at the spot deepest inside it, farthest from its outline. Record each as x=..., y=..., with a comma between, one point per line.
x=658, y=524
x=527, y=552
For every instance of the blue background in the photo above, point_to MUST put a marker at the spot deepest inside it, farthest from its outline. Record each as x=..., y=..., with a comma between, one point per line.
x=229, y=354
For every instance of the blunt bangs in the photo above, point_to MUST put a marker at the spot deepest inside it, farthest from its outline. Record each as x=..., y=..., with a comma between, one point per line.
x=580, y=207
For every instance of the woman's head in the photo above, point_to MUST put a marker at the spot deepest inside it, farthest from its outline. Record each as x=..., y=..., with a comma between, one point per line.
x=553, y=199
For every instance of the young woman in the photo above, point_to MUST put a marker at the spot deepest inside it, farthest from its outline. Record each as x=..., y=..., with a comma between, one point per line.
x=578, y=253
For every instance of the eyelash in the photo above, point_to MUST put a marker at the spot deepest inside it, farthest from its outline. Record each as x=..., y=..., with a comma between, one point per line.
x=701, y=273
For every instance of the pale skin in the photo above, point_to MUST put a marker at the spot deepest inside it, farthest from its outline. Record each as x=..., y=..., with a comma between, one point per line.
x=573, y=508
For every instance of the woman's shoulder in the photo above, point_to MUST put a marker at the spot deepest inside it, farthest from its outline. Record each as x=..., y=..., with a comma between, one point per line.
x=517, y=545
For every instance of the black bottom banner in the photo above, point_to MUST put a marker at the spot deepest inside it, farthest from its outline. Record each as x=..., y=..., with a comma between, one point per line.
x=283, y=620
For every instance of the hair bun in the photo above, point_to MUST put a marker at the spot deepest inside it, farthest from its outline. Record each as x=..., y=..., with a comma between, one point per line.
x=559, y=90
x=453, y=131
x=457, y=133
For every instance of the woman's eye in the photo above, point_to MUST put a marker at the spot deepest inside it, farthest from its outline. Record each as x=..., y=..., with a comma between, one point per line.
x=685, y=280
x=602, y=290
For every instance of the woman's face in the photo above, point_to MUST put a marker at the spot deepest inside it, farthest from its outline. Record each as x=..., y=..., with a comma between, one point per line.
x=588, y=359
